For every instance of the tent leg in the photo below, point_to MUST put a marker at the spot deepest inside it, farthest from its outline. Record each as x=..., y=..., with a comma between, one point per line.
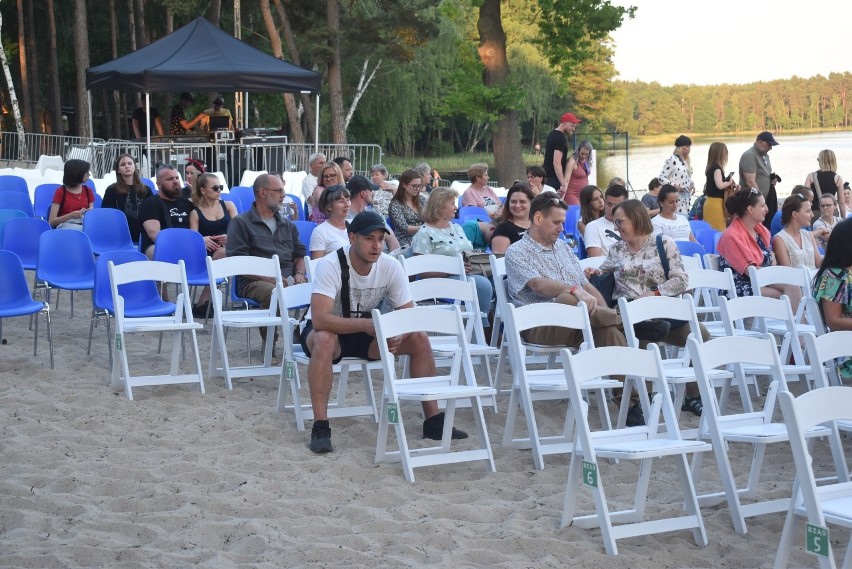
x=316, y=129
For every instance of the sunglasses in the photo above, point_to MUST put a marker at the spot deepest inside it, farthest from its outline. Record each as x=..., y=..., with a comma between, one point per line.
x=216, y=188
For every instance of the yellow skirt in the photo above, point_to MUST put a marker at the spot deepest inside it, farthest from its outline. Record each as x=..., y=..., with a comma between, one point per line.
x=714, y=213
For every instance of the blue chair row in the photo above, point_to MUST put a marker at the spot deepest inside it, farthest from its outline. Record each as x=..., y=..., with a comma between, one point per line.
x=12, y=183
x=16, y=299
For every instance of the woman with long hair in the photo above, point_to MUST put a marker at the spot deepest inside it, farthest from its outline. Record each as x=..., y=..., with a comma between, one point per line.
x=210, y=218
x=669, y=221
x=330, y=175
x=577, y=172
x=406, y=208
x=193, y=169
x=331, y=234
x=677, y=171
x=127, y=193
x=73, y=198
x=833, y=286
x=515, y=220
x=794, y=245
x=718, y=186
x=826, y=180
x=591, y=207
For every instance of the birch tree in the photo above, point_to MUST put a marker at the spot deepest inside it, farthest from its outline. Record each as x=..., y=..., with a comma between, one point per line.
x=13, y=99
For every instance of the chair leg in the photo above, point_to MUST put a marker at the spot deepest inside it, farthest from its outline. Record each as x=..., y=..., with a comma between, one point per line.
x=91, y=330
x=49, y=335
x=690, y=500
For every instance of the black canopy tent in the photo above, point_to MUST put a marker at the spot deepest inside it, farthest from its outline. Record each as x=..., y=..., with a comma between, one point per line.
x=201, y=57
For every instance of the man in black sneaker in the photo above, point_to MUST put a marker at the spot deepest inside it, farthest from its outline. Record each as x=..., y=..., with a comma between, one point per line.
x=339, y=323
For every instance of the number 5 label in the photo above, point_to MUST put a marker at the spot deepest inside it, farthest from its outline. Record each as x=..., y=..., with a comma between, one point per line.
x=816, y=540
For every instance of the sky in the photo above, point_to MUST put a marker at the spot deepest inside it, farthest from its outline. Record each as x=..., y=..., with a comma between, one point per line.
x=732, y=41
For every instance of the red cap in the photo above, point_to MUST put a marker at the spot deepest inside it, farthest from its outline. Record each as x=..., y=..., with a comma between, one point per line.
x=569, y=117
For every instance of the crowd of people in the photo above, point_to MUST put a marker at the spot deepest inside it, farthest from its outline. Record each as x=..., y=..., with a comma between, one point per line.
x=360, y=219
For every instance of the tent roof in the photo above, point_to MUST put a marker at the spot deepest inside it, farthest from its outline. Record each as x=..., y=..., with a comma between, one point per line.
x=201, y=57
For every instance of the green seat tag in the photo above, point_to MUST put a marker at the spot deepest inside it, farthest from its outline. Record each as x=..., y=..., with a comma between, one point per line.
x=816, y=540
x=290, y=370
x=393, y=414
x=118, y=342
x=590, y=474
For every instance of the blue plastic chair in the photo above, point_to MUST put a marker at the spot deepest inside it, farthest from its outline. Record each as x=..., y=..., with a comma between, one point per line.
x=11, y=183
x=108, y=231
x=65, y=261
x=6, y=215
x=299, y=207
x=696, y=224
x=22, y=239
x=240, y=302
x=141, y=299
x=98, y=200
x=43, y=198
x=17, y=200
x=707, y=238
x=245, y=194
x=688, y=249
x=150, y=183
x=469, y=212
x=234, y=199
x=177, y=244
x=581, y=247
x=16, y=300
x=306, y=229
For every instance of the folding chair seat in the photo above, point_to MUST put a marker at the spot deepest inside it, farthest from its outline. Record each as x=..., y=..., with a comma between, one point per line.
x=830, y=502
x=458, y=385
x=178, y=323
x=16, y=300
x=531, y=385
x=22, y=238
x=792, y=276
x=107, y=230
x=65, y=261
x=705, y=287
x=751, y=427
x=297, y=297
x=16, y=200
x=823, y=352
x=643, y=444
x=271, y=318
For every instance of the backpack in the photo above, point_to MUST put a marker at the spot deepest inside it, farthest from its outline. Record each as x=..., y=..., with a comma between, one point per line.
x=697, y=209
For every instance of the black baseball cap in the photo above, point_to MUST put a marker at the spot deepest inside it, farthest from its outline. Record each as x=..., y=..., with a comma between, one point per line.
x=767, y=137
x=218, y=101
x=359, y=183
x=366, y=222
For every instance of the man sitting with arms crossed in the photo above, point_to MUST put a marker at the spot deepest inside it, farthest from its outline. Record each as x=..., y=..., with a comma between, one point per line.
x=332, y=332
x=542, y=268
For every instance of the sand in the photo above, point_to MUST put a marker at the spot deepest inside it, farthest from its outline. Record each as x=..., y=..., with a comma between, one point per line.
x=177, y=478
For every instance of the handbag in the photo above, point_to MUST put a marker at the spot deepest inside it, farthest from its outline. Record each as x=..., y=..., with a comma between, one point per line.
x=479, y=262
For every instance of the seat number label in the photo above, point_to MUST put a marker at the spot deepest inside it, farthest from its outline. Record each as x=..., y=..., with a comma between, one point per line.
x=118, y=342
x=290, y=370
x=590, y=474
x=393, y=414
x=816, y=540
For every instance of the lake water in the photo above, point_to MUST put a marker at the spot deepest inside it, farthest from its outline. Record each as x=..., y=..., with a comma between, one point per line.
x=793, y=159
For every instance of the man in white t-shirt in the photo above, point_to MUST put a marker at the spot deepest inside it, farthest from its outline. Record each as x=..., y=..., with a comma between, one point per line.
x=601, y=233
x=330, y=335
x=315, y=163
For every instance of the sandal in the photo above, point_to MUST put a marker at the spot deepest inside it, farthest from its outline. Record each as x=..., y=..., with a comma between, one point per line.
x=693, y=405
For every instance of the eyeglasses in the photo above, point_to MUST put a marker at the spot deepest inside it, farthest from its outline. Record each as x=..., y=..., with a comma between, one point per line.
x=276, y=190
x=825, y=205
x=617, y=222
x=329, y=176
x=216, y=188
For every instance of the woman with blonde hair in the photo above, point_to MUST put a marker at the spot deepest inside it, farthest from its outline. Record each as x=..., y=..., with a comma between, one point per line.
x=330, y=175
x=826, y=180
x=718, y=186
x=577, y=172
x=677, y=171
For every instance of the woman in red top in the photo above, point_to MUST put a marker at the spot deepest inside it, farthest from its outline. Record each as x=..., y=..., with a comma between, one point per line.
x=577, y=172
x=72, y=199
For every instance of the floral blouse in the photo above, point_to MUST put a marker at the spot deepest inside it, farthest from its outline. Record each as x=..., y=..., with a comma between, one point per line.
x=402, y=216
x=381, y=201
x=636, y=274
x=440, y=241
x=676, y=172
x=835, y=285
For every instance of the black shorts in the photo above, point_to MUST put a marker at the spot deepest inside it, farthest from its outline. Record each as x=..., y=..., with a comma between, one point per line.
x=355, y=345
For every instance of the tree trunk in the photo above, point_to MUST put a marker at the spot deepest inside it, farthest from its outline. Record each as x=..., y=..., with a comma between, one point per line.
x=296, y=59
x=335, y=87
x=81, y=61
x=170, y=20
x=214, y=12
x=506, y=137
x=32, y=62
x=141, y=29
x=296, y=133
x=26, y=99
x=13, y=100
x=55, y=94
x=113, y=40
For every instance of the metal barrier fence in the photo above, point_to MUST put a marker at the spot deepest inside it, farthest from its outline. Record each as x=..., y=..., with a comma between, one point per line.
x=24, y=151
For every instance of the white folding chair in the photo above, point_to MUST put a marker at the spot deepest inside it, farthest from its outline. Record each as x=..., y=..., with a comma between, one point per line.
x=434, y=291
x=755, y=427
x=830, y=502
x=459, y=384
x=297, y=297
x=705, y=286
x=692, y=262
x=791, y=276
x=677, y=365
x=249, y=176
x=446, y=264
x=178, y=323
x=498, y=273
x=271, y=318
x=640, y=444
x=823, y=351
x=529, y=386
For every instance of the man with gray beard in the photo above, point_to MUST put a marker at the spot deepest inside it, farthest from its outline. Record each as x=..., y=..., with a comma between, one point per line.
x=164, y=210
x=263, y=231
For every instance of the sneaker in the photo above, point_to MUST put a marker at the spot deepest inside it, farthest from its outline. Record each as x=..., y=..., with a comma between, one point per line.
x=202, y=311
x=635, y=418
x=321, y=437
x=433, y=428
x=693, y=405
x=652, y=330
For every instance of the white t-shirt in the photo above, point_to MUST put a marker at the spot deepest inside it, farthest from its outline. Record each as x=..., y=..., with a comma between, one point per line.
x=386, y=280
x=678, y=229
x=327, y=238
x=596, y=234
x=309, y=184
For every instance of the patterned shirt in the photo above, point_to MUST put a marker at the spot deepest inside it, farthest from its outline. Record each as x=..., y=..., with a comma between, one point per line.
x=835, y=285
x=402, y=216
x=528, y=259
x=636, y=274
x=381, y=201
x=439, y=241
x=676, y=172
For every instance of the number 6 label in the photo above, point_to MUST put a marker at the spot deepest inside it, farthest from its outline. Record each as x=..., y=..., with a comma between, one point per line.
x=590, y=474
